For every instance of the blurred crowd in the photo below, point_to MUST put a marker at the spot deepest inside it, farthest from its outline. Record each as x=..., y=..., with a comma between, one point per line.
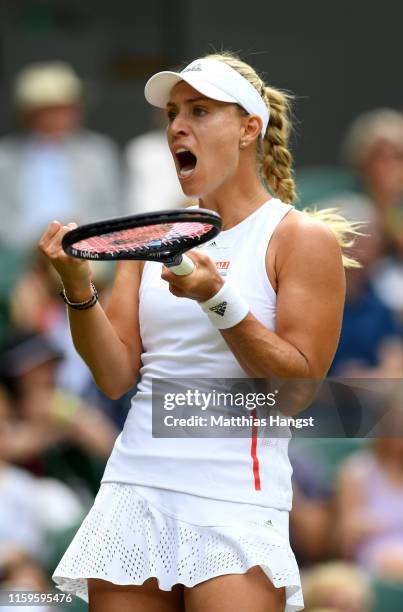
x=57, y=429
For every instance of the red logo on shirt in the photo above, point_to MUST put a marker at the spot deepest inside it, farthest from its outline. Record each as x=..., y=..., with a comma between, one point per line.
x=222, y=265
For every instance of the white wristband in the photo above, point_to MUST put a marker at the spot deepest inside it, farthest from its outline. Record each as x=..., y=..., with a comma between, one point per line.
x=226, y=308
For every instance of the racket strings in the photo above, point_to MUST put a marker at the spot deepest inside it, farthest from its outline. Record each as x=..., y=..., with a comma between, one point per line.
x=144, y=238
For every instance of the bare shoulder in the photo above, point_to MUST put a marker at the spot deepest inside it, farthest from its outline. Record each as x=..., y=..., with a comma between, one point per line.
x=302, y=226
x=301, y=235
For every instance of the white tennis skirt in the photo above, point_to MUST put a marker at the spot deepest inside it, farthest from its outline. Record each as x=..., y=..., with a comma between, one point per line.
x=126, y=540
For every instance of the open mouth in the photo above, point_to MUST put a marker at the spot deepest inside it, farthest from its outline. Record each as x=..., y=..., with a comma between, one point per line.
x=187, y=162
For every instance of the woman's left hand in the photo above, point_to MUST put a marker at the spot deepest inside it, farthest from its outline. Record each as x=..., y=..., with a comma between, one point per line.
x=201, y=284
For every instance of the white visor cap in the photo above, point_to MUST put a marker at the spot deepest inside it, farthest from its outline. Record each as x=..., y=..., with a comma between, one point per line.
x=214, y=79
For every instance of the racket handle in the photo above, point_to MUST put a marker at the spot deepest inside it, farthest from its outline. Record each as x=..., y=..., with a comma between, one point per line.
x=184, y=268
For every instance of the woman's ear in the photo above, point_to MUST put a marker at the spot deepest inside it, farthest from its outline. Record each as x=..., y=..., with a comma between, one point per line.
x=250, y=130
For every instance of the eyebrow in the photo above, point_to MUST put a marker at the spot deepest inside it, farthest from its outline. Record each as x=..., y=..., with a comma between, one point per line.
x=188, y=101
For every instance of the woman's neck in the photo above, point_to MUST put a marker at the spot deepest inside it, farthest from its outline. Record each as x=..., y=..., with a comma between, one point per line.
x=235, y=202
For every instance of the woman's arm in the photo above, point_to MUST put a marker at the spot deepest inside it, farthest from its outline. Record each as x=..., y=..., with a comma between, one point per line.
x=305, y=267
x=109, y=342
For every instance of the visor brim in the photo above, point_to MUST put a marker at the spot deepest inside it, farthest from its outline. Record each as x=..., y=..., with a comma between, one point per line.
x=158, y=88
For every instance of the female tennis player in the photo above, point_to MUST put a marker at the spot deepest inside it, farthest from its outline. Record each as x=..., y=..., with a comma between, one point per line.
x=201, y=525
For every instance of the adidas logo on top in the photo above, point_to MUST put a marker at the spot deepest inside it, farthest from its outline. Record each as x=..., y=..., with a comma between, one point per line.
x=207, y=245
x=193, y=68
x=219, y=308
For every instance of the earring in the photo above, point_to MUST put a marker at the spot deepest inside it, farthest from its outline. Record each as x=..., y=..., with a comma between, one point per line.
x=242, y=145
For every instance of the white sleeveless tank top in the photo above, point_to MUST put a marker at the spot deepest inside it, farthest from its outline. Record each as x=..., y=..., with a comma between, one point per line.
x=180, y=342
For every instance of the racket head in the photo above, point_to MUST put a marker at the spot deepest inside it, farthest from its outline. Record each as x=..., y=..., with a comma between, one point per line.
x=157, y=236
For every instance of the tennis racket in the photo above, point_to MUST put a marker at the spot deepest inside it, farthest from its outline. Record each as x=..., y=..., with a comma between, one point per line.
x=161, y=236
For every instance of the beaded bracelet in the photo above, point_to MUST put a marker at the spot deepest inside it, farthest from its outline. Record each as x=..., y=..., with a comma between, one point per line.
x=81, y=305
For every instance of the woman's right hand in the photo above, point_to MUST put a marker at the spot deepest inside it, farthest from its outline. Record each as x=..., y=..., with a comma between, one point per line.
x=75, y=273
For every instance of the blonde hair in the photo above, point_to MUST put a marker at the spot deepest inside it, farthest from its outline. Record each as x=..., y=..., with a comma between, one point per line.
x=275, y=159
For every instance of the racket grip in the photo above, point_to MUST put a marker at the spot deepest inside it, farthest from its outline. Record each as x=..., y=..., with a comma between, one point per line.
x=184, y=268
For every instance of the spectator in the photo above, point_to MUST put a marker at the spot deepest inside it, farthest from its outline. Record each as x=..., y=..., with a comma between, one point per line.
x=370, y=342
x=54, y=168
x=370, y=508
x=374, y=148
x=336, y=586
x=35, y=305
x=45, y=417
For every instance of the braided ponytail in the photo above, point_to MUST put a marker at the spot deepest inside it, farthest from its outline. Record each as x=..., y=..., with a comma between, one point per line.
x=275, y=157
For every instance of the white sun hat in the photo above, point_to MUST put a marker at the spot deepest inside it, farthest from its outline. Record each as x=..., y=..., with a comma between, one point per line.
x=214, y=79
x=46, y=84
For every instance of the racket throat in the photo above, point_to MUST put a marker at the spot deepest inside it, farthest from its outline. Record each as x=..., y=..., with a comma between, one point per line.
x=174, y=260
